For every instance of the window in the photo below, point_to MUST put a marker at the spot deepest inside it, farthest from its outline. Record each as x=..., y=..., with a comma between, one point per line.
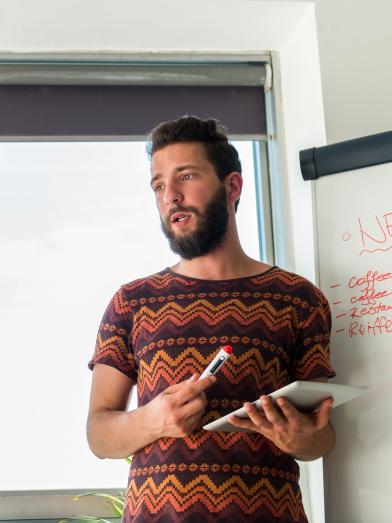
x=80, y=222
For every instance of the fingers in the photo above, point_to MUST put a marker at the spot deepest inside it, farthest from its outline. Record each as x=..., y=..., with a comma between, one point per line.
x=194, y=387
x=287, y=409
x=270, y=417
x=241, y=422
x=179, y=407
x=297, y=419
x=172, y=389
x=257, y=420
x=194, y=408
x=323, y=414
x=291, y=430
x=192, y=422
x=271, y=412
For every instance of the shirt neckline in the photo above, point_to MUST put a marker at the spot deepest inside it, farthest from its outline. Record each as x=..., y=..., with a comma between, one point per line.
x=230, y=280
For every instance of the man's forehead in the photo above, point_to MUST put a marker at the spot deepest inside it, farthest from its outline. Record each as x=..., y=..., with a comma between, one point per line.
x=178, y=157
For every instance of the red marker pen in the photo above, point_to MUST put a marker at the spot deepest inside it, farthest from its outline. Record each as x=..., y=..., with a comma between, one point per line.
x=222, y=356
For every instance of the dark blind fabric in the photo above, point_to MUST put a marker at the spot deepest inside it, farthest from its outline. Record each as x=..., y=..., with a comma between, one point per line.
x=94, y=111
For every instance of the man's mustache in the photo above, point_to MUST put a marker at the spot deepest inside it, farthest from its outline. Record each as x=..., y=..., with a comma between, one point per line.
x=178, y=208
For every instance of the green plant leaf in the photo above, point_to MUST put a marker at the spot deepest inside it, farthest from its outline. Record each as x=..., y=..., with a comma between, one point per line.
x=117, y=499
x=118, y=508
x=116, y=503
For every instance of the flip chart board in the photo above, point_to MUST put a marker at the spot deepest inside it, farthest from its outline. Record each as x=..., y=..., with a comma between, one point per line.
x=354, y=241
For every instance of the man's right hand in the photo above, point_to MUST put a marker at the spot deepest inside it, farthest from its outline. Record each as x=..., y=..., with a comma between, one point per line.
x=115, y=432
x=176, y=411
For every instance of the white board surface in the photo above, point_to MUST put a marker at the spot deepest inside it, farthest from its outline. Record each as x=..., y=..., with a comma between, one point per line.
x=354, y=229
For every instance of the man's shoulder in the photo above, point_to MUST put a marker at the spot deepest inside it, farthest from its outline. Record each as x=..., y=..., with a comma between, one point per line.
x=155, y=280
x=163, y=283
x=297, y=285
x=290, y=276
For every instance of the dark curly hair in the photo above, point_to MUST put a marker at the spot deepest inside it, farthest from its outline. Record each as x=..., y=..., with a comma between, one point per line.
x=219, y=151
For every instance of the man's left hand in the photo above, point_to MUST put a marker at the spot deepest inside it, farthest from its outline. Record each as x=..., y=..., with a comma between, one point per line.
x=304, y=436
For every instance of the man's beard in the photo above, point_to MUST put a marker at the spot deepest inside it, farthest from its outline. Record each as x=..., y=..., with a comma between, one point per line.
x=210, y=230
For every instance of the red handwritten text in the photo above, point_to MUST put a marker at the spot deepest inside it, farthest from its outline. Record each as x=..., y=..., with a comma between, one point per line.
x=369, y=279
x=356, y=312
x=366, y=285
x=377, y=236
x=381, y=325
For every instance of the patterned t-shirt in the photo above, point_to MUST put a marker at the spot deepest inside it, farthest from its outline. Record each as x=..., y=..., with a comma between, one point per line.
x=160, y=330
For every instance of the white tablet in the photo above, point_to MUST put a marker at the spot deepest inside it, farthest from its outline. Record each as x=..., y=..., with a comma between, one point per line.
x=304, y=395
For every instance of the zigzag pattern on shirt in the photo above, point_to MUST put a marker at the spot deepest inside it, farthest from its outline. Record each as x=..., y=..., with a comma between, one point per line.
x=112, y=351
x=283, y=282
x=313, y=360
x=159, y=281
x=213, y=340
x=216, y=498
x=120, y=303
x=266, y=374
x=287, y=279
x=224, y=440
x=178, y=316
x=215, y=468
x=191, y=296
x=316, y=315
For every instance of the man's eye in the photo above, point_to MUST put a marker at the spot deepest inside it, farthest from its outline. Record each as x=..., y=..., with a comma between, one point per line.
x=157, y=188
x=187, y=176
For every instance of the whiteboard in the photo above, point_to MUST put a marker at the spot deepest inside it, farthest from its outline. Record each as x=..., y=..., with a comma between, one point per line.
x=354, y=238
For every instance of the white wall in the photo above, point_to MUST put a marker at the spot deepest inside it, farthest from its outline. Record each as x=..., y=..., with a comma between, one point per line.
x=136, y=26
x=355, y=41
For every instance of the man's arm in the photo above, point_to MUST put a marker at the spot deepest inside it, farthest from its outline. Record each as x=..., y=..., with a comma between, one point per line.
x=112, y=432
x=304, y=436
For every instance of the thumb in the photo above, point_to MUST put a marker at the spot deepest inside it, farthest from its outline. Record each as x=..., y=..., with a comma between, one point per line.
x=324, y=413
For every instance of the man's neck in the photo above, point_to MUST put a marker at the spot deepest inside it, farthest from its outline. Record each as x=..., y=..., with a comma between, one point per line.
x=220, y=266
x=226, y=262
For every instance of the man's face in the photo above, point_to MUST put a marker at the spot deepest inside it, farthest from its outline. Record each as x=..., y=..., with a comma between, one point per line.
x=191, y=200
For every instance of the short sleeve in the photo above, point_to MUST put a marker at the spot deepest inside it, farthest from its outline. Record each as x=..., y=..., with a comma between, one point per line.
x=312, y=345
x=113, y=346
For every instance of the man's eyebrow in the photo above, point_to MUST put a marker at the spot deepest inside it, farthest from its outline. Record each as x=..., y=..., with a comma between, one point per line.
x=177, y=169
x=187, y=166
x=154, y=178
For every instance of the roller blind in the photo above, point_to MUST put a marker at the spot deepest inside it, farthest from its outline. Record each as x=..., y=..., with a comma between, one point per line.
x=113, y=100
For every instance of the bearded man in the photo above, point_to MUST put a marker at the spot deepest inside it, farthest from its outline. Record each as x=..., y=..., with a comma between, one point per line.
x=160, y=332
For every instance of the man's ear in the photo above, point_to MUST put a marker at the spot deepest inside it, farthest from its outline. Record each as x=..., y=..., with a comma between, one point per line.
x=233, y=186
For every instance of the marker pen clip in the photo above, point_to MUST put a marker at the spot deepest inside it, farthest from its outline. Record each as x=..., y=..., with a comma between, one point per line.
x=221, y=358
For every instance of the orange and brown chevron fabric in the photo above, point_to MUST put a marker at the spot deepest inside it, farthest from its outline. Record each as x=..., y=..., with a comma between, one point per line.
x=162, y=329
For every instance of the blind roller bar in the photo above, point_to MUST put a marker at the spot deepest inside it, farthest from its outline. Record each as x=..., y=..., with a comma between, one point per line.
x=140, y=58
x=250, y=74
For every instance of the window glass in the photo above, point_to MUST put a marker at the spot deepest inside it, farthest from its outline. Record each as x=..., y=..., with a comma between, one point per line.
x=77, y=221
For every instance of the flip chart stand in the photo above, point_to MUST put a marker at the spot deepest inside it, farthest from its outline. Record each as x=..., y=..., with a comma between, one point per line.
x=346, y=156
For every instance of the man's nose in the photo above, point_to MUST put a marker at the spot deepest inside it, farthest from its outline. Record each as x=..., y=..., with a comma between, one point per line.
x=172, y=195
